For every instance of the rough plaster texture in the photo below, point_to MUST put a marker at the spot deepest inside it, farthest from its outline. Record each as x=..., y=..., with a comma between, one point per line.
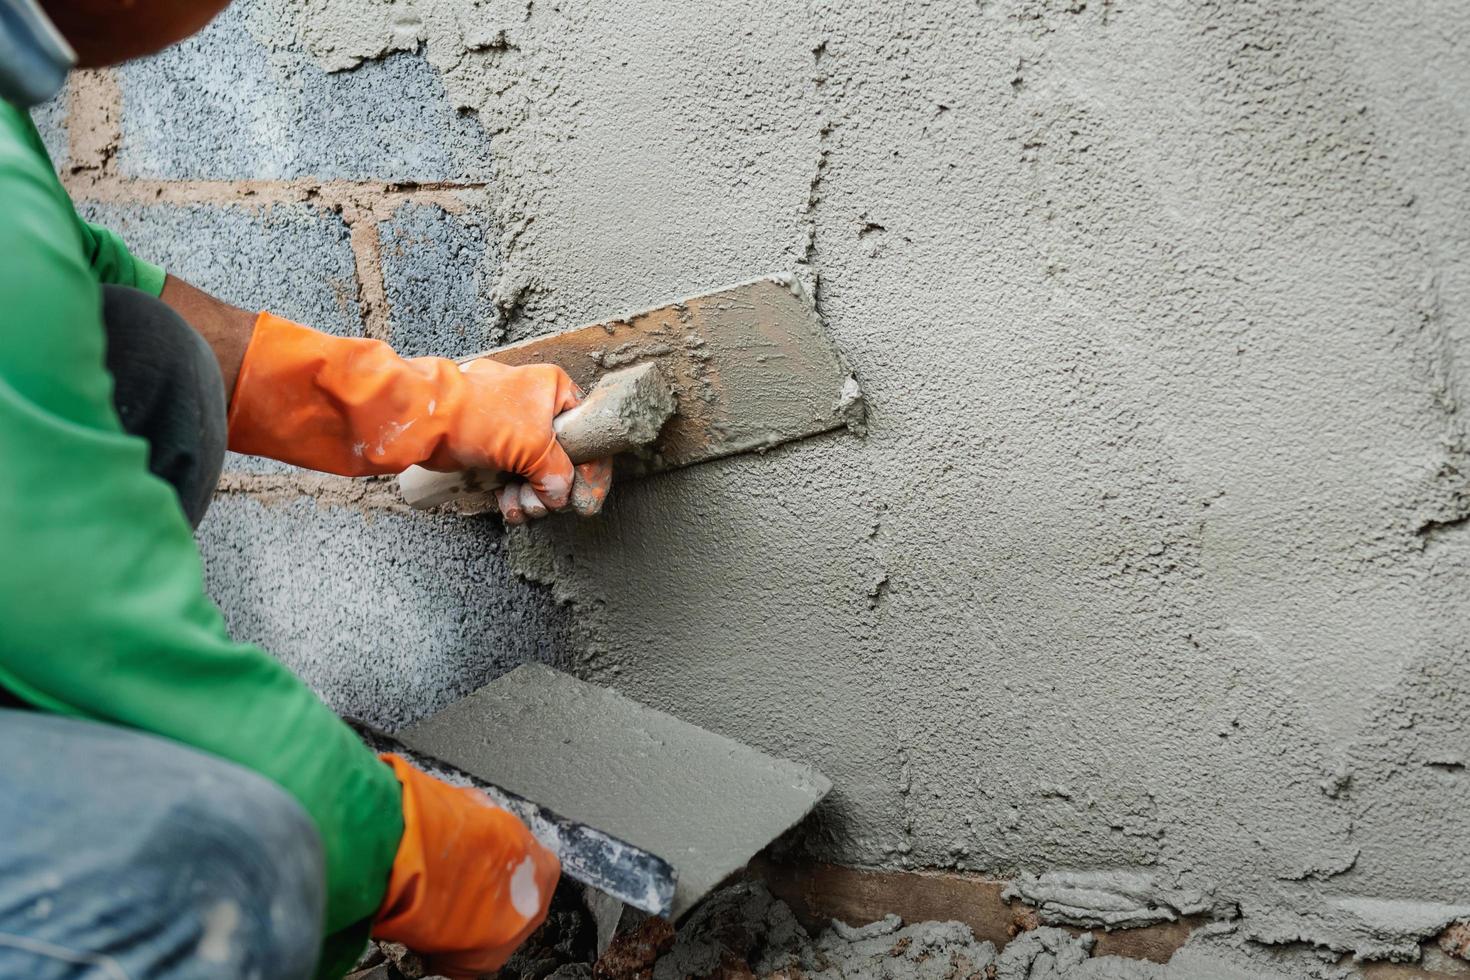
x=390, y=616
x=1152, y=566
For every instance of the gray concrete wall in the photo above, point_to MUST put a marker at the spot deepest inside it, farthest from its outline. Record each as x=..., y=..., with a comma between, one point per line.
x=1146, y=587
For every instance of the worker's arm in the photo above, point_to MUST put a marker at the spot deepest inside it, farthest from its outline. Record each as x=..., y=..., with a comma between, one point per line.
x=103, y=612
x=354, y=407
x=227, y=328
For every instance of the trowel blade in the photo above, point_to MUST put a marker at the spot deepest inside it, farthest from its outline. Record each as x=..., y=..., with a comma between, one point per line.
x=704, y=803
x=751, y=367
x=616, y=868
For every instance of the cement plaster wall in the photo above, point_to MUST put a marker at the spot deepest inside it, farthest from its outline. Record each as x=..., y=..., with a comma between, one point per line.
x=1147, y=585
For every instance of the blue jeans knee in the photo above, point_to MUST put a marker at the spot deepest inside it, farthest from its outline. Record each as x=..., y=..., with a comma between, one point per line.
x=128, y=856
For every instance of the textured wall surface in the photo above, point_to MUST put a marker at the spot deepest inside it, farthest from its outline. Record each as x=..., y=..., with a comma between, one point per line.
x=1147, y=585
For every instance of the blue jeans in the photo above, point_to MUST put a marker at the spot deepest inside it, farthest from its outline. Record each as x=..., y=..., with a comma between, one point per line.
x=124, y=856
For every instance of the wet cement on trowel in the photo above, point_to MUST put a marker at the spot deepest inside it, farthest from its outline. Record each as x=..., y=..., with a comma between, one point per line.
x=704, y=803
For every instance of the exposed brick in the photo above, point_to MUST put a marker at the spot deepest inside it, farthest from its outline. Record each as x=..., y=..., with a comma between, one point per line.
x=389, y=616
x=288, y=258
x=291, y=259
x=438, y=271
x=223, y=106
x=1455, y=940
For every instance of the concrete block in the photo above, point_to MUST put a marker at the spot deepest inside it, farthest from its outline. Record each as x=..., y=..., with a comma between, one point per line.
x=236, y=463
x=438, y=271
x=288, y=258
x=224, y=106
x=389, y=616
x=50, y=120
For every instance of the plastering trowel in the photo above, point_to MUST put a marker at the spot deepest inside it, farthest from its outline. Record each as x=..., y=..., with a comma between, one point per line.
x=738, y=369
x=647, y=809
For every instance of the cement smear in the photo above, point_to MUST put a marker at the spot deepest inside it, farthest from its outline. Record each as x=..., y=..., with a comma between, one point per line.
x=1154, y=559
x=1111, y=899
x=743, y=932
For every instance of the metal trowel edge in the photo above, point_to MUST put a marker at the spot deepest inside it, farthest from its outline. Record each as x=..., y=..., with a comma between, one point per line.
x=613, y=866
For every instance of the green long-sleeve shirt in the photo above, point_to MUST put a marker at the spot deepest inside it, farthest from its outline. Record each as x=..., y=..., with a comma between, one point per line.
x=103, y=612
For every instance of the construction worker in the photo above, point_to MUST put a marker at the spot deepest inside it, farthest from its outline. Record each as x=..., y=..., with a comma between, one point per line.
x=174, y=804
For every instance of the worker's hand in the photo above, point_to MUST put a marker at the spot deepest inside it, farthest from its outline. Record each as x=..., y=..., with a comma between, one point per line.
x=469, y=884
x=352, y=406
x=507, y=426
x=527, y=446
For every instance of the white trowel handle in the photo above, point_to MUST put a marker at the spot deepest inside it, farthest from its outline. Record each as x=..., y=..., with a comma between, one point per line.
x=623, y=413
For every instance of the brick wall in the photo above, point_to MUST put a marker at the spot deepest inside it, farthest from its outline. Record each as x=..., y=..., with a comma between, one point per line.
x=355, y=202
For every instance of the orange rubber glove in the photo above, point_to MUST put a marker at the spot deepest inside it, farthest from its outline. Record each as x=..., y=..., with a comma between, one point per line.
x=352, y=406
x=469, y=884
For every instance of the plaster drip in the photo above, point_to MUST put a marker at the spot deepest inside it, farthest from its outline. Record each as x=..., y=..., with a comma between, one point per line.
x=1110, y=899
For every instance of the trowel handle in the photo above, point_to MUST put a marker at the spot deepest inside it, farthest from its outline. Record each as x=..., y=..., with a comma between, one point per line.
x=623, y=413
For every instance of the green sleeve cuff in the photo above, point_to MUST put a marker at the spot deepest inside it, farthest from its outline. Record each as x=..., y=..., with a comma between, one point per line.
x=112, y=262
x=148, y=277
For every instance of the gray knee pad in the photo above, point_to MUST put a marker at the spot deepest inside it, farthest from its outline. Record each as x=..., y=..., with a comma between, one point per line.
x=167, y=390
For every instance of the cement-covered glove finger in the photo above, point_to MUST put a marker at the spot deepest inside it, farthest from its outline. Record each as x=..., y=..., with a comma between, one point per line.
x=590, y=487
x=520, y=501
x=591, y=483
x=532, y=504
x=550, y=482
x=508, y=500
x=519, y=504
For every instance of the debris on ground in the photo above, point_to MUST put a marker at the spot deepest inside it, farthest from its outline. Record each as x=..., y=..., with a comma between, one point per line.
x=1455, y=940
x=405, y=961
x=633, y=952
x=742, y=932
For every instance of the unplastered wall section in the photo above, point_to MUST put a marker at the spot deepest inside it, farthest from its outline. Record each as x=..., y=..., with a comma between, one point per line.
x=1146, y=586
x=357, y=204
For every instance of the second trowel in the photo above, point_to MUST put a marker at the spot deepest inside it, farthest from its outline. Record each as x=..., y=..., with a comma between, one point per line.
x=644, y=807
